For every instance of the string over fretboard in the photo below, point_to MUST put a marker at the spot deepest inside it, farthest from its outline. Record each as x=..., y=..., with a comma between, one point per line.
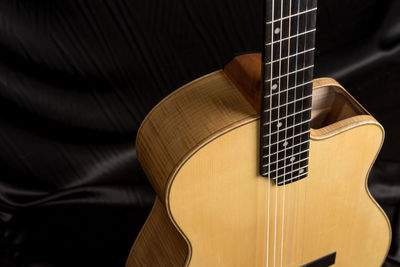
x=288, y=61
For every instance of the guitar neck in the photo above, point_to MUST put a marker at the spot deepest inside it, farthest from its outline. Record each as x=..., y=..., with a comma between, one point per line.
x=288, y=60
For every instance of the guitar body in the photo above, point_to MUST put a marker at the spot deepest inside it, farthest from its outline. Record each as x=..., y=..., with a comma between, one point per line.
x=199, y=148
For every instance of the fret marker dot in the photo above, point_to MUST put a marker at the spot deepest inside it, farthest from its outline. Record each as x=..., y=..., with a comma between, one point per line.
x=277, y=30
x=285, y=144
x=279, y=124
x=292, y=159
x=301, y=171
x=274, y=86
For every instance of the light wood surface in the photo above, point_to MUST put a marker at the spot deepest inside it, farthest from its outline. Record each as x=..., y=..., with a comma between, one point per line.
x=160, y=242
x=199, y=149
x=183, y=120
x=223, y=213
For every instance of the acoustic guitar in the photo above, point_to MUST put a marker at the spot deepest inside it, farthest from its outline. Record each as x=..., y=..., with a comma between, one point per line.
x=260, y=165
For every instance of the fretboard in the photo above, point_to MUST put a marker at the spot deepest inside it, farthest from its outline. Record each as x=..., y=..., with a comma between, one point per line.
x=288, y=60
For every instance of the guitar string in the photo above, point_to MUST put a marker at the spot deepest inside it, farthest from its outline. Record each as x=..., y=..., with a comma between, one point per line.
x=277, y=146
x=269, y=136
x=301, y=139
x=277, y=143
x=302, y=185
x=284, y=91
x=294, y=122
x=294, y=15
x=286, y=120
x=287, y=85
x=302, y=52
x=293, y=72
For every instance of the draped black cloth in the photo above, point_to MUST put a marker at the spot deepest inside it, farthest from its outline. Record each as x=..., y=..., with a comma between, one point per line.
x=77, y=77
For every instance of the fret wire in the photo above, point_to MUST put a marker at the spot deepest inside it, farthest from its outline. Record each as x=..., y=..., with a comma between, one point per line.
x=289, y=147
x=288, y=89
x=295, y=154
x=283, y=175
x=289, y=103
x=288, y=165
x=292, y=36
x=291, y=179
x=285, y=159
x=294, y=15
x=293, y=55
x=297, y=135
x=290, y=73
x=287, y=116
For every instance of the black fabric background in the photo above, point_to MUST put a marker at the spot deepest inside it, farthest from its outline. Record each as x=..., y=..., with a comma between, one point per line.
x=78, y=77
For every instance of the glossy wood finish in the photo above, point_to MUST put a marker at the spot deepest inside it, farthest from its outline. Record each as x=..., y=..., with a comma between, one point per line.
x=160, y=242
x=245, y=72
x=203, y=107
x=223, y=210
x=199, y=150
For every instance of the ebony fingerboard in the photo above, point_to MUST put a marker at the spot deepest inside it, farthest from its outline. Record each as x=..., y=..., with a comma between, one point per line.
x=288, y=61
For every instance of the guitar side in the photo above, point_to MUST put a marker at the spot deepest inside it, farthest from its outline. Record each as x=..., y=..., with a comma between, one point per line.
x=199, y=150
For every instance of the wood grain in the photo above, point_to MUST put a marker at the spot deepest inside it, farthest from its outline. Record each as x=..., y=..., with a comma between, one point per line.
x=159, y=243
x=223, y=213
x=199, y=150
x=204, y=106
x=245, y=72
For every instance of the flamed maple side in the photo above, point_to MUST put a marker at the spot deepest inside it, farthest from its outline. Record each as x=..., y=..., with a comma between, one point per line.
x=199, y=149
